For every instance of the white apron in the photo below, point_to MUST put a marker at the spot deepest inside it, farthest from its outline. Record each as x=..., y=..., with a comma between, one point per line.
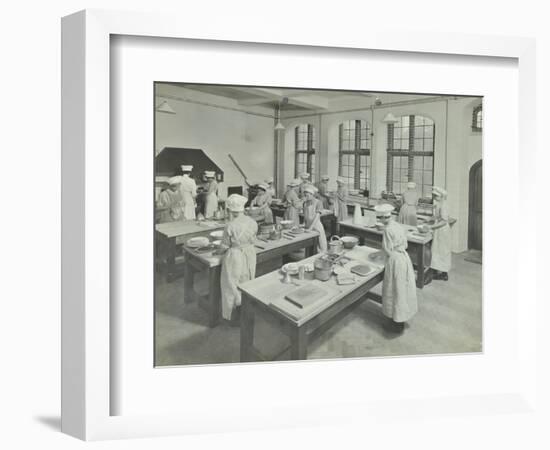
x=399, y=300
x=310, y=211
x=340, y=205
x=293, y=205
x=173, y=202
x=189, y=192
x=407, y=213
x=239, y=262
x=441, y=243
x=264, y=201
x=211, y=201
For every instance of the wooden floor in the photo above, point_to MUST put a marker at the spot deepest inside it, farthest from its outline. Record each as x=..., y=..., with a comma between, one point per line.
x=449, y=321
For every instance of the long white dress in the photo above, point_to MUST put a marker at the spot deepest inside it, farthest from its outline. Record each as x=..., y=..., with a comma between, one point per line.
x=188, y=190
x=211, y=201
x=311, y=209
x=264, y=202
x=340, y=205
x=293, y=206
x=441, y=243
x=407, y=213
x=239, y=262
x=170, y=203
x=399, y=288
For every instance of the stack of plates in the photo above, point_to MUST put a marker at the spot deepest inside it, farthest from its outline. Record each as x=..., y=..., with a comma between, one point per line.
x=197, y=242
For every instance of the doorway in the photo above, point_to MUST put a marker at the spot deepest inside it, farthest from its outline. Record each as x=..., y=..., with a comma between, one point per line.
x=475, y=208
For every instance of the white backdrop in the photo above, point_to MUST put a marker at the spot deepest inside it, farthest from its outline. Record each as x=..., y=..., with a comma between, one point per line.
x=30, y=37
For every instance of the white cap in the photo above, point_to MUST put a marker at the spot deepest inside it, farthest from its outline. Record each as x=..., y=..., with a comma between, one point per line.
x=209, y=173
x=186, y=168
x=263, y=186
x=310, y=188
x=269, y=180
x=325, y=177
x=384, y=209
x=341, y=180
x=411, y=185
x=294, y=182
x=236, y=202
x=304, y=175
x=174, y=180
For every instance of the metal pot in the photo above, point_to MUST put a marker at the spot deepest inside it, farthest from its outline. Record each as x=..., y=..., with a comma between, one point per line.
x=322, y=269
x=266, y=228
x=335, y=246
x=275, y=234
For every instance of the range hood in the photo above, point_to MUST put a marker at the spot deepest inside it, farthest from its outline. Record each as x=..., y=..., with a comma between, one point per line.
x=169, y=160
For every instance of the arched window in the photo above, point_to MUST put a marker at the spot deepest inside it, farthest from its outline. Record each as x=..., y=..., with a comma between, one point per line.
x=410, y=155
x=305, y=140
x=354, y=153
x=477, y=118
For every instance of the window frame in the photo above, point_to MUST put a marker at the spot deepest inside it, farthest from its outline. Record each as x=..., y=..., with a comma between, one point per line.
x=357, y=152
x=410, y=152
x=478, y=110
x=309, y=151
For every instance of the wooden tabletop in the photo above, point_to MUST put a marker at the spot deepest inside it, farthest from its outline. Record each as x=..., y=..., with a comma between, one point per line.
x=410, y=231
x=270, y=289
x=182, y=227
x=215, y=260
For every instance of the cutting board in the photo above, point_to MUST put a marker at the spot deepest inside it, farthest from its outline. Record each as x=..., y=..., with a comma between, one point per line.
x=305, y=295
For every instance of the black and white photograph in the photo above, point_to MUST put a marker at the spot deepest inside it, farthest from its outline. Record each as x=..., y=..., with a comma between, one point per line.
x=305, y=224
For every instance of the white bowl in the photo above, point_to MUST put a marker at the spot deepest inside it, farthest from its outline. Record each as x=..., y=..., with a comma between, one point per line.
x=216, y=234
x=291, y=268
x=197, y=242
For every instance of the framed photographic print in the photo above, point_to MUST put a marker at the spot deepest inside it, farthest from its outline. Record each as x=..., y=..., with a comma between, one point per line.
x=235, y=204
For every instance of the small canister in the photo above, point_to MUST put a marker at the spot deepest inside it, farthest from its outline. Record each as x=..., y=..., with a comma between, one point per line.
x=301, y=272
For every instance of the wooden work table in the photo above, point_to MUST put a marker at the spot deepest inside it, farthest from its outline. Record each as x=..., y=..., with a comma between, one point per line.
x=171, y=234
x=419, y=246
x=265, y=297
x=268, y=254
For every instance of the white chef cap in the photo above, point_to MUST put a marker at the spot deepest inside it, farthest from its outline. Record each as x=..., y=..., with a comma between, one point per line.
x=236, y=202
x=439, y=191
x=294, y=182
x=341, y=180
x=304, y=175
x=174, y=180
x=310, y=188
x=325, y=177
x=384, y=209
x=411, y=185
x=209, y=173
x=186, y=168
x=269, y=180
x=263, y=186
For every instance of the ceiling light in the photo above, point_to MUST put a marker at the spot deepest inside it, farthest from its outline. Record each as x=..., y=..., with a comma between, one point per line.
x=279, y=126
x=390, y=118
x=165, y=108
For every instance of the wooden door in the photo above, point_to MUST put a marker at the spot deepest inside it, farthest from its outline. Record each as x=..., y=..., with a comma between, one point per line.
x=475, y=210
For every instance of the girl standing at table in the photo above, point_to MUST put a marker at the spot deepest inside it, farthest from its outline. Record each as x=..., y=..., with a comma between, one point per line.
x=441, y=244
x=270, y=188
x=399, y=301
x=211, y=202
x=340, y=200
x=292, y=202
x=170, y=202
x=407, y=213
x=188, y=190
x=239, y=261
x=312, y=216
x=263, y=202
x=323, y=192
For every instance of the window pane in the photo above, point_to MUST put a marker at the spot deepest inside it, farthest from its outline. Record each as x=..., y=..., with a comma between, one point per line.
x=429, y=132
x=419, y=132
x=405, y=121
x=405, y=133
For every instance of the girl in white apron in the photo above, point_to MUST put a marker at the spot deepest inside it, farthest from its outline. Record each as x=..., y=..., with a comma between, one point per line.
x=263, y=201
x=188, y=189
x=239, y=261
x=170, y=202
x=211, y=202
x=313, y=208
x=407, y=213
x=293, y=203
x=399, y=301
x=340, y=200
x=441, y=243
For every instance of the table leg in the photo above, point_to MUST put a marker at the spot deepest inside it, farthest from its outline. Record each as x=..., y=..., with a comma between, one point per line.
x=420, y=269
x=214, y=296
x=170, y=259
x=188, y=283
x=247, y=330
x=298, y=344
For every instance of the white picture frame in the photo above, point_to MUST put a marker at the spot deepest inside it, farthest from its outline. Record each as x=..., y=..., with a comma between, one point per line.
x=87, y=383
